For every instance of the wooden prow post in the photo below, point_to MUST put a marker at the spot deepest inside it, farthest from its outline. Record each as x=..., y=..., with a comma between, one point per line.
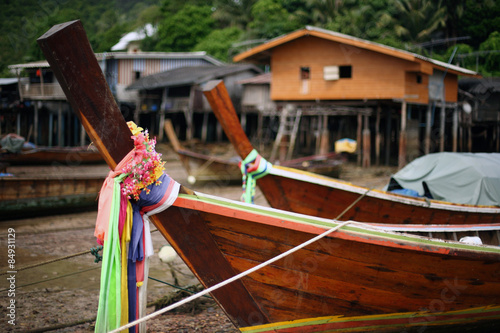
x=216, y=93
x=89, y=94
x=69, y=54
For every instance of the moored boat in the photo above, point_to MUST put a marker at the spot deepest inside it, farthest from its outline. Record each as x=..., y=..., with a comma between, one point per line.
x=312, y=194
x=22, y=197
x=52, y=155
x=201, y=167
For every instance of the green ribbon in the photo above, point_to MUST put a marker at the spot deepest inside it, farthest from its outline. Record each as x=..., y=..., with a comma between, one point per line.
x=108, y=313
x=251, y=172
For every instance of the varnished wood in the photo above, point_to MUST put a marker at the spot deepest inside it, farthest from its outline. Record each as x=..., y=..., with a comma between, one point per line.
x=218, y=97
x=348, y=274
x=68, y=51
x=76, y=68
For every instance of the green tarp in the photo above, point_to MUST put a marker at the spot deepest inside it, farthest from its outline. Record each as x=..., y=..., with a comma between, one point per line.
x=465, y=178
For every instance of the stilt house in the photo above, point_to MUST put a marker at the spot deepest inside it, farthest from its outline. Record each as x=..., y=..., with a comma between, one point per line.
x=397, y=105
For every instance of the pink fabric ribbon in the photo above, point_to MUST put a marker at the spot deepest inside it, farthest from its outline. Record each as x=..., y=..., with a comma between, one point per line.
x=105, y=198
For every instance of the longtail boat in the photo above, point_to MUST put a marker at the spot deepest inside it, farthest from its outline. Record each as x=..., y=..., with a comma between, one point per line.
x=52, y=155
x=201, y=167
x=353, y=278
x=22, y=197
x=312, y=194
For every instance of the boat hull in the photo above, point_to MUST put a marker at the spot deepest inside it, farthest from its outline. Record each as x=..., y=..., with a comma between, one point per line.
x=53, y=155
x=26, y=197
x=312, y=194
x=356, y=278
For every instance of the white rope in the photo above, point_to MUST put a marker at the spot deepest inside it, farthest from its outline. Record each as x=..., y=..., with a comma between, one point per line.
x=234, y=278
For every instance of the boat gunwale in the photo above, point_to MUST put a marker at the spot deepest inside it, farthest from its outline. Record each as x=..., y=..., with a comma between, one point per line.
x=305, y=176
x=356, y=231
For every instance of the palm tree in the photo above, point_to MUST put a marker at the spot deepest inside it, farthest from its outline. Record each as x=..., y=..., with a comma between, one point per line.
x=417, y=20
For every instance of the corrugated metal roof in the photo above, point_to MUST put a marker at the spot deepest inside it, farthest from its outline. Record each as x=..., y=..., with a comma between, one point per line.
x=137, y=55
x=188, y=76
x=480, y=86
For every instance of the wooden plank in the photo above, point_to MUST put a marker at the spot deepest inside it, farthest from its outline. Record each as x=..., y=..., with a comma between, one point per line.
x=86, y=89
x=69, y=54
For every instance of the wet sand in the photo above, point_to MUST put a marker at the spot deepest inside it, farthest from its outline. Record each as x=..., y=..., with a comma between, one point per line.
x=66, y=292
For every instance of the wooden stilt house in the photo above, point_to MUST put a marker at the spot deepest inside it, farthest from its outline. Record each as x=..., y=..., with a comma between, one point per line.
x=390, y=100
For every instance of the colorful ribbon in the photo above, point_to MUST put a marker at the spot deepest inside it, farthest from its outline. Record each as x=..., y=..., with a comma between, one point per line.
x=252, y=168
x=123, y=229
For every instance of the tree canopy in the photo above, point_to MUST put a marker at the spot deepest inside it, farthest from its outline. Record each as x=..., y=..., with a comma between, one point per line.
x=223, y=27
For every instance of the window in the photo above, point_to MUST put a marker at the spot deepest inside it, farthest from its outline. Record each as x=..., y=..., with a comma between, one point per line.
x=419, y=78
x=137, y=75
x=345, y=72
x=305, y=73
x=333, y=73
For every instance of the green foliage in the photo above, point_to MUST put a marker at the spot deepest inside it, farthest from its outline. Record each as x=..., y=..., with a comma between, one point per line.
x=182, y=31
x=218, y=43
x=491, y=49
x=271, y=19
x=213, y=26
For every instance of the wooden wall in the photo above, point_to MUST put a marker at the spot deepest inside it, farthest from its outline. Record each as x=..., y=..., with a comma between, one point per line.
x=374, y=75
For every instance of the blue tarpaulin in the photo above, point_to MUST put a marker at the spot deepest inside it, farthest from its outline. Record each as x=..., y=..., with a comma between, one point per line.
x=464, y=178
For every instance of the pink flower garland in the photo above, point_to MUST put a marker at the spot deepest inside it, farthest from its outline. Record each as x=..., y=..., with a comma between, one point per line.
x=146, y=166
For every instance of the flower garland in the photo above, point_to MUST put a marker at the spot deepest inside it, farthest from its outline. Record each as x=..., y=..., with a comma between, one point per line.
x=145, y=167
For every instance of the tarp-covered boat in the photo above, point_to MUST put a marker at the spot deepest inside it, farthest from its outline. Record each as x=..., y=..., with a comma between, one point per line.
x=462, y=178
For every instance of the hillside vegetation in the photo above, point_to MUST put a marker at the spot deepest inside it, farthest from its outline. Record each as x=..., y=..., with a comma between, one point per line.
x=224, y=28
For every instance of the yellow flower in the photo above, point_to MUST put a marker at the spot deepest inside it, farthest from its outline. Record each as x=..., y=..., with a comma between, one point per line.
x=133, y=128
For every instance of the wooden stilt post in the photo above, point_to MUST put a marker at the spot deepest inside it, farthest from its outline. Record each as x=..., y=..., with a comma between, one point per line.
x=428, y=127
x=366, y=143
x=358, y=137
x=442, y=126
x=455, y=129
x=60, y=122
x=388, y=141
x=204, y=129
x=35, y=124
x=377, y=136
x=402, y=137
x=325, y=142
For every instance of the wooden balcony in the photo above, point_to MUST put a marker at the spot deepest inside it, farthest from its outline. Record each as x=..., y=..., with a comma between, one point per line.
x=39, y=91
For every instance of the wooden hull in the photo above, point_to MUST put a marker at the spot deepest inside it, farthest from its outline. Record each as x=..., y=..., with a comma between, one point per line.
x=26, y=197
x=312, y=194
x=356, y=278
x=51, y=155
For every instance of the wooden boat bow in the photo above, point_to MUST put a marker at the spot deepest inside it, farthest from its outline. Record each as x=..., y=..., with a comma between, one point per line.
x=70, y=56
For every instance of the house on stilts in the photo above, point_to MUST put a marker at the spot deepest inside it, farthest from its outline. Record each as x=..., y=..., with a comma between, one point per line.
x=396, y=104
